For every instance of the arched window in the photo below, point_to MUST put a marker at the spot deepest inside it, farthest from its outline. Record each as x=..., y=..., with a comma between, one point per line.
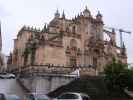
x=67, y=29
x=42, y=37
x=73, y=47
x=95, y=62
x=74, y=30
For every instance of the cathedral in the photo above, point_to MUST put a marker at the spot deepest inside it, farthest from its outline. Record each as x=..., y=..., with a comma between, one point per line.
x=64, y=45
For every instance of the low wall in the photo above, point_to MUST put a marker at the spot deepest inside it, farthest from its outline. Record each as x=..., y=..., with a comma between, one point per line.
x=11, y=86
x=36, y=84
x=45, y=84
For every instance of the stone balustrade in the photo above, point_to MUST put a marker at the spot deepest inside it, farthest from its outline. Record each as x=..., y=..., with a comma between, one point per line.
x=50, y=69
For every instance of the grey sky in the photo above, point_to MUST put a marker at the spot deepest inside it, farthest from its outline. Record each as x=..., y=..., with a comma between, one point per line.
x=16, y=13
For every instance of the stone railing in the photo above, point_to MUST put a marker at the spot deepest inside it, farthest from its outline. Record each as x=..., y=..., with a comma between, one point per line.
x=46, y=69
x=50, y=69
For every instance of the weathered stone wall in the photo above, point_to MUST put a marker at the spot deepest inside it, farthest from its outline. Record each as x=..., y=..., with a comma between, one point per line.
x=39, y=85
x=45, y=84
x=50, y=55
x=11, y=86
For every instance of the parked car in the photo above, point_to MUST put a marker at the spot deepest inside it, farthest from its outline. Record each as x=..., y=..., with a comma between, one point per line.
x=9, y=97
x=12, y=97
x=2, y=96
x=37, y=97
x=73, y=96
x=7, y=76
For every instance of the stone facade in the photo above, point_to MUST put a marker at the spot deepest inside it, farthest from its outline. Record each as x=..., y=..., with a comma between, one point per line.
x=66, y=43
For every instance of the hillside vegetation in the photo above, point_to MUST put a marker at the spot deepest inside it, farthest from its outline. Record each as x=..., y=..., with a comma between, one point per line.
x=93, y=86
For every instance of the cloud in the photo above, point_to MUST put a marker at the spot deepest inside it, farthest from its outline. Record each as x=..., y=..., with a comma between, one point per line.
x=3, y=12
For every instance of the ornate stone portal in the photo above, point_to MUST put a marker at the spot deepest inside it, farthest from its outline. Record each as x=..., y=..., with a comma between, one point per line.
x=65, y=45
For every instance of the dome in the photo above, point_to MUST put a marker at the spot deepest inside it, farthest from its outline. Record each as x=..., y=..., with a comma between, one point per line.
x=99, y=14
x=57, y=14
x=86, y=12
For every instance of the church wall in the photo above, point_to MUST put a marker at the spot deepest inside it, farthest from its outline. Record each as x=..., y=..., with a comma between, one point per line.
x=86, y=34
x=40, y=56
x=88, y=59
x=50, y=55
x=19, y=47
x=22, y=40
x=66, y=43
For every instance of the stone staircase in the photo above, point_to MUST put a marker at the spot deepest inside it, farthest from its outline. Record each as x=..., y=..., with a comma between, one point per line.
x=25, y=87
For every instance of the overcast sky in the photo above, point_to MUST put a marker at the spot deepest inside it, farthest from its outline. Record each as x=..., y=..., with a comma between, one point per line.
x=16, y=13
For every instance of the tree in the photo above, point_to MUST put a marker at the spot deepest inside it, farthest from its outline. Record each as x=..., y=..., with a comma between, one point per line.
x=118, y=77
x=130, y=79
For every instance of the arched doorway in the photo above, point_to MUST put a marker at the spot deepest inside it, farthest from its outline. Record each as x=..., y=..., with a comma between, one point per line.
x=73, y=54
